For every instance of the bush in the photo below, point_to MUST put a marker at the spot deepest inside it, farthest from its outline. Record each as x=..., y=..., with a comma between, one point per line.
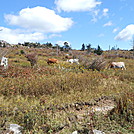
x=98, y=64
x=22, y=52
x=32, y=58
x=98, y=51
x=85, y=61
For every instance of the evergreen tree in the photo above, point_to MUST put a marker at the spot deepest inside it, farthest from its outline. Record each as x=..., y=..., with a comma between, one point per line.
x=88, y=48
x=83, y=47
x=113, y=48
x=49, y=45
x=66, y=46
x=98, y=51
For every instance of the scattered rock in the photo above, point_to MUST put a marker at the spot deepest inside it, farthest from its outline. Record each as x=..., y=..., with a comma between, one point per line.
x=97, y=132
x=75, y=132
x=15, y=128
x=88, y=132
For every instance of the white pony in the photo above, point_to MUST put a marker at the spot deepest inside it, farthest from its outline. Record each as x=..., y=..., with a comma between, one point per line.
x=73, y=61
x=117, y=65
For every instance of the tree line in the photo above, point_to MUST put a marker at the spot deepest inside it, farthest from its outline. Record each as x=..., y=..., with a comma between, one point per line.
x=89, y=49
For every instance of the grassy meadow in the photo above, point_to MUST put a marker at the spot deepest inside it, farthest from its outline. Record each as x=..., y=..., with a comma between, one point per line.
x=57, y=98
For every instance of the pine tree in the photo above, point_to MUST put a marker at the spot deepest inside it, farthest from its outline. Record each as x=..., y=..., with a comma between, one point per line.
x=88, y=48
x=83, y=47
x=66, y=46
x=98, y=51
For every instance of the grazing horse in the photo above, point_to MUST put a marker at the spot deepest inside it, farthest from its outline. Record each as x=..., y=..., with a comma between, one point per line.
x=73, y=61
x=117, y=65
x=52, y=61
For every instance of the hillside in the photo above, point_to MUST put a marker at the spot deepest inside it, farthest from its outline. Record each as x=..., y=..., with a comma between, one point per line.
x=62, y=98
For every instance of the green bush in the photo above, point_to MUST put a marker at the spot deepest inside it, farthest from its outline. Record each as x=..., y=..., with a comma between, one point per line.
x=22, y=52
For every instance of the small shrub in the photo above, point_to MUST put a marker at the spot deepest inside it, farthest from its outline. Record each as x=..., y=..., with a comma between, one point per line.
x=22, y=52
x=123, y=113
x=32, y=58
x=98, y=64
x=98, y=51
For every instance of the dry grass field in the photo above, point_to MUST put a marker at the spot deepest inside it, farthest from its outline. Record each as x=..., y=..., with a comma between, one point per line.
x=61, y=98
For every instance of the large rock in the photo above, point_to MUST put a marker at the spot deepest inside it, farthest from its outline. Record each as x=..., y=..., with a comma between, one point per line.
x=15, y=128
x=75, y=132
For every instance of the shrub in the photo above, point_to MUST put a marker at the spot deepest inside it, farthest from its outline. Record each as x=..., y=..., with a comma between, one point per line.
x=98, y=51
x=22, y=52
x=123, y=113
x=32, y=58
x=98, y=64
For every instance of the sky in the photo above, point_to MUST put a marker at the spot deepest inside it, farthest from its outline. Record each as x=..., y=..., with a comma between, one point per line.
x=107, y=23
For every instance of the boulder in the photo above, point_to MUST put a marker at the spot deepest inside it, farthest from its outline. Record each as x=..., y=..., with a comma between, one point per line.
x=17, y=129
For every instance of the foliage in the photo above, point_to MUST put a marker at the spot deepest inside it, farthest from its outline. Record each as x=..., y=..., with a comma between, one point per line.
x=98, y=51
x=89, y=48
x=83, y=47
x=49, y=45
x=22, y=51
x=66, y=47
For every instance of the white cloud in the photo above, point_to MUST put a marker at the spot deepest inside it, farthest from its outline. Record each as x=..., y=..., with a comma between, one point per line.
x=39, y=19
x=36, y=22
x=17, y=36
x=108, y=24
x=115, y=30
x=94, y=15
x=61, y=43
x=54, y=35
x=76, y=5
x=94, y=19
x=105, y=11
x=126, y=33
x=97, y=14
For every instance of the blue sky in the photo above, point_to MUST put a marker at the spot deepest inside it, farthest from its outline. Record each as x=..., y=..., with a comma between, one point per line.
x=98, y=22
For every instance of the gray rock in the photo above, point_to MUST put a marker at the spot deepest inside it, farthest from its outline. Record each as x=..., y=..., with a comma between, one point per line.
x=75, y=132
x=94, y=132
x=98, y=132
x=15, y=128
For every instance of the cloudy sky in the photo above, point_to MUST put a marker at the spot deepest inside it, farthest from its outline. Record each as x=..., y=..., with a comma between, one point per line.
x=98, y=22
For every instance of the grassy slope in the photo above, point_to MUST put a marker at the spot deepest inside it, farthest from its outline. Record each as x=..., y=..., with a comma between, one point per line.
x=26, y=93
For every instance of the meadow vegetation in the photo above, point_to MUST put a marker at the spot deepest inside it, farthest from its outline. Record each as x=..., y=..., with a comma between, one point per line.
x=42, y=98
